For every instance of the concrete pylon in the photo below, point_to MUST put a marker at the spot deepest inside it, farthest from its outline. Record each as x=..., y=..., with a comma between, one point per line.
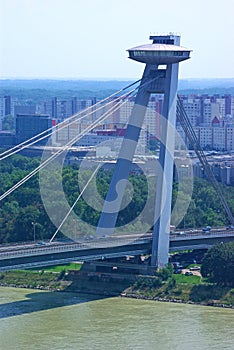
x=164, y=50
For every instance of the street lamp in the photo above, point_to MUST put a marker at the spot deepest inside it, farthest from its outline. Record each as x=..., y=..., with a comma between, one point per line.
x=34, y=231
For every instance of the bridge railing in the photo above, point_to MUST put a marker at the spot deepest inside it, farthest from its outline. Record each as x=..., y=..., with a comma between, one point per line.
x=50, y=249
x=103, y=243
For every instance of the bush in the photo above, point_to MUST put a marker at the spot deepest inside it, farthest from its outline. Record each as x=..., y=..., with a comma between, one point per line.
x=171, y=284
x=148, y=282
x=165, y=272
x=206, y=292
x=61, y=275
x=218, y=264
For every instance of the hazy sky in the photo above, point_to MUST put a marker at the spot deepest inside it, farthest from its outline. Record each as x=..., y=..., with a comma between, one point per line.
x=89, y=38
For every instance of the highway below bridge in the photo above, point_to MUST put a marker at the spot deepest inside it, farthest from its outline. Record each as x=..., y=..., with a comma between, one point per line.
x=24, y=256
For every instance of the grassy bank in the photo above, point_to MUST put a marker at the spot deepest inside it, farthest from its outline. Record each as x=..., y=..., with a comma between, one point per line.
x=186, y=289
x=48, y=277
x=57, y=268
x=178, y=288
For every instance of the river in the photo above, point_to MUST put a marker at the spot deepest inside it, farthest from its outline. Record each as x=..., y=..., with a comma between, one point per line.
x=31, y=319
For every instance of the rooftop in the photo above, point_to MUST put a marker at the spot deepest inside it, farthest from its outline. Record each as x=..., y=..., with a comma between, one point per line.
x=159, y=53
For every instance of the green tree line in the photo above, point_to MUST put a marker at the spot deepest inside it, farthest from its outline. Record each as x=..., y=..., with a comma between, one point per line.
x=24, y=206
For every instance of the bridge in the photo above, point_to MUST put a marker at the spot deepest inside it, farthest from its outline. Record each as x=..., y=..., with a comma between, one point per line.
x=161, y=59
x=33, y=255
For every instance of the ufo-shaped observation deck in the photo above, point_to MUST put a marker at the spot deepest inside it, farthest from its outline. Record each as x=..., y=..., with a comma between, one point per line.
x=159, y=53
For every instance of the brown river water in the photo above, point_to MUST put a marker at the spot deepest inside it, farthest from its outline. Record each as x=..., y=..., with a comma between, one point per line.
x=36, y=320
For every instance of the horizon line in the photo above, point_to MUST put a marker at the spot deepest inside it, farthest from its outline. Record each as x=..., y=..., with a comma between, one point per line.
x=102, y=78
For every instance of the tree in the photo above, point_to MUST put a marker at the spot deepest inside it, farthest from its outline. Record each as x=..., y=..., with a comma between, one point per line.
x=165, y=272
x=218, y=264
x=8, y=123
x=25, y=205
x=24, y=223
x=205, y=207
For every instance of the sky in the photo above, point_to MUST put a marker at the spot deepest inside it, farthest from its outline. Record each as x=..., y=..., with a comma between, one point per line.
x=88, y=39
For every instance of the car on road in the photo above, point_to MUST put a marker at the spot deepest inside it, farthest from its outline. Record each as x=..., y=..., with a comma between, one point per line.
x=38, y=244
x=206, y=229
x=176, y=265
x=230, y=227
x=181, y=233
x=195, y=268
x=188, y=273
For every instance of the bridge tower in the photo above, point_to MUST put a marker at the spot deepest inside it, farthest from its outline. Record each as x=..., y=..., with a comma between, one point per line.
x=160, y=75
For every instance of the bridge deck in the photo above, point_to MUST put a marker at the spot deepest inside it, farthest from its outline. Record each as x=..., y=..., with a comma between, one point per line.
x=32, y=255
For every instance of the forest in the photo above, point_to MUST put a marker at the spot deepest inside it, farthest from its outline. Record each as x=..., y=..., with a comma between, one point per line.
x=24, y=207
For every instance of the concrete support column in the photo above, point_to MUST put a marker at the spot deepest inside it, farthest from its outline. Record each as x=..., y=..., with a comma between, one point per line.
x=160, y=243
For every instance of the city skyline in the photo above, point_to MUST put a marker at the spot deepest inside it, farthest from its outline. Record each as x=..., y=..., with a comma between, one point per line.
x=88, y=40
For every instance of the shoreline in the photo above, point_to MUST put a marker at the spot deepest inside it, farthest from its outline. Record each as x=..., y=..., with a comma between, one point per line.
x=122, y=295
x=177, y=301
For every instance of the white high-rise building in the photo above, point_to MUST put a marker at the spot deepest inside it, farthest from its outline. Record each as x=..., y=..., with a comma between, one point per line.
x=221, y=103
x=151, y=120
x=211, y=110
x=192, y=107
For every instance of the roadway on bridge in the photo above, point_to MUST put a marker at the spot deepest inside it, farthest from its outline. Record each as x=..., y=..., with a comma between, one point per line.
x=31, y=254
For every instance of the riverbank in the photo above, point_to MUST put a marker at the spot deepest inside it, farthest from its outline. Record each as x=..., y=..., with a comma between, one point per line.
x=173, y=300
x=207, y=300
x=129, y=286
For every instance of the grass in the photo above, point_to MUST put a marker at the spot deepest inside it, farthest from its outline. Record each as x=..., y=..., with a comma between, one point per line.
x=186, y=288
x=56, y=268
x=211, y=293
x=187, y=279
x=29, y=280
x=48, y=277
